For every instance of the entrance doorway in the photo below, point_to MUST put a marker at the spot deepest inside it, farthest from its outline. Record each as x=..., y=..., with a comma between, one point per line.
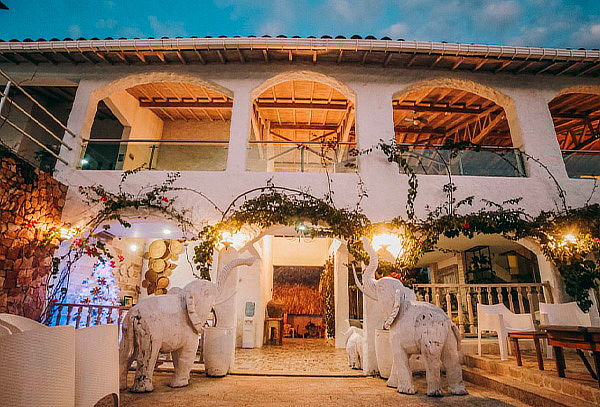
x=300, y=289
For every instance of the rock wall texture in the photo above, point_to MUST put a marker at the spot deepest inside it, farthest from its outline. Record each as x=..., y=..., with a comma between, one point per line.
x=31, y=201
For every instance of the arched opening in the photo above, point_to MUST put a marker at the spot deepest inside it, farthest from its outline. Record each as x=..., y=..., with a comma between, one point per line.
x=451, y=130
x=576, y=118
x=160, y=126
x=302, y=125
x=485, y=269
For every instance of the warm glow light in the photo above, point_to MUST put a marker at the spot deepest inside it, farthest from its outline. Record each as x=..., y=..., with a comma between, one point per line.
x=237, y=239
x=301, y=227
x=392, y=243
x=133, y=248
x=67, y=233
x=166, y=231
x=570, y=238
x=84, y=161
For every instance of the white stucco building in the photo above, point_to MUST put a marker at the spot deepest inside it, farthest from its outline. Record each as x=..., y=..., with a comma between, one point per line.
x=233, y=113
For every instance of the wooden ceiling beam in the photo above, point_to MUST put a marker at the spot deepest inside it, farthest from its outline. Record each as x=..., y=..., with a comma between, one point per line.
x=314, y=127
x=419, y=130
x=141, y=57
x=569, y=68
x=301, y=105
x=181, y=57
x=178, y=104
x=595, y=66
x=442, y=109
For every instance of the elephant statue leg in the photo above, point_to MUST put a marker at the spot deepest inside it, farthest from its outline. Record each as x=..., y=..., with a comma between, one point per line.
x=451, y=361
x=393, y=379
x=147, y=349
x=183, y=359
x=404, y=375
x=432, y=352
x=126, y=353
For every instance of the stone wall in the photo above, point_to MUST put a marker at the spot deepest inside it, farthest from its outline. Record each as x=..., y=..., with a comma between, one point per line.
x=27, y=195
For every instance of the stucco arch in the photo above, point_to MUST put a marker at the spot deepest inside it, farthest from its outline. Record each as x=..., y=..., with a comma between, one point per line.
x=104, y=90
x=304, y=76
x=548, y=271
x=130, y=81
x=480, y=89
x=589, y=89
x=461, y=84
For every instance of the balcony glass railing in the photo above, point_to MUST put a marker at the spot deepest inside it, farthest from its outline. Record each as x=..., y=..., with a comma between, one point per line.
x=487, y=161
x=161, y=155
x=301, y=156
x=582, y=163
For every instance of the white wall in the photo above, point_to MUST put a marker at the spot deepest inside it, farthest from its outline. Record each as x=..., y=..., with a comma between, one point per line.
x=524, y=98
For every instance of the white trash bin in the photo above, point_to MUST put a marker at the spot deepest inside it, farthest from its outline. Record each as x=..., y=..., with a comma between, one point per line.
x=218, y=350
x=383, y=351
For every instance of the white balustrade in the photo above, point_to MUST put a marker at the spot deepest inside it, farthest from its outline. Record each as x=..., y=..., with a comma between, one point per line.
x=460, y=301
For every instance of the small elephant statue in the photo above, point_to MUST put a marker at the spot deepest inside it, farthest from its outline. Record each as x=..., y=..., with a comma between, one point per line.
x=354, y=346
x=172, y=324
x=418, y=327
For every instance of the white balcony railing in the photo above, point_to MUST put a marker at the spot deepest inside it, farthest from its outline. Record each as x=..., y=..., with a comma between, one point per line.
x=460, y=300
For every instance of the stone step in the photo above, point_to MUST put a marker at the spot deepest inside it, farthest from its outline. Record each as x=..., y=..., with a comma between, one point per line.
x=546, y=380
x=527, y=393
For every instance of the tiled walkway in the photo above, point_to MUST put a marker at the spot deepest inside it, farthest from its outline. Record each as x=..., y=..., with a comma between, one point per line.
x=295, y=357
x=266, y=391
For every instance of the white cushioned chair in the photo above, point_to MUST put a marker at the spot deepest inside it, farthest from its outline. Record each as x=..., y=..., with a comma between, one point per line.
x=497, y=318
x=568, y=314
x=57, y=366
x=18, y=323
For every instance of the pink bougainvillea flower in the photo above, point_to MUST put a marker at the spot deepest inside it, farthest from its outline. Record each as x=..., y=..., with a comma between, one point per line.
x=165, y=199
x=103, y=198
x=466, y=226
x=121, y=258
x=112, y=263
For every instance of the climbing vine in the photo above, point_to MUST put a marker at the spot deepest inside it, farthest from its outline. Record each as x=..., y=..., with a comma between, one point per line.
x=107, y=206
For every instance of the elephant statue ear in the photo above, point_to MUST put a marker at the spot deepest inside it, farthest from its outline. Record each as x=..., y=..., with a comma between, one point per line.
x=398, y=300
x=196, y=320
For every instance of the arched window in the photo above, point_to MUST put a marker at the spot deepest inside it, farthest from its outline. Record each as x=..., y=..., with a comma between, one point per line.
x=452, y=130
x=576, y=119
x=302, y=126
x=160, y=126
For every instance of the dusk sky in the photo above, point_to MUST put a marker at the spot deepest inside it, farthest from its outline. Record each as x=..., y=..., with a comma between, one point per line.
x=548, y=23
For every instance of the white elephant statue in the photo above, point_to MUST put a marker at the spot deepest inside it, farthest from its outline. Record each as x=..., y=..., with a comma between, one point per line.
x=170, y=324
x=383, y=291
x=354, y=346
x=418, y=327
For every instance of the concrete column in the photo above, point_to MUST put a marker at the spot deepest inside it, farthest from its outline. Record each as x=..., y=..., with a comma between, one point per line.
x=77, y=123
x=537, y=136
x=374, y=122
x=240, y=128
x=342, y=306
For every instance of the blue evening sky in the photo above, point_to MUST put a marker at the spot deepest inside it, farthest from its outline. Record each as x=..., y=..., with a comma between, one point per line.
x=549, y=23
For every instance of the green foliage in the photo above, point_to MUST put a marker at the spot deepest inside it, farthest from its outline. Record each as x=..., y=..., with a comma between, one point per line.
x=310, y=216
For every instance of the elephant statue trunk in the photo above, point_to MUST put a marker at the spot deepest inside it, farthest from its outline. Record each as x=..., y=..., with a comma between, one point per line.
x=368, y=286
